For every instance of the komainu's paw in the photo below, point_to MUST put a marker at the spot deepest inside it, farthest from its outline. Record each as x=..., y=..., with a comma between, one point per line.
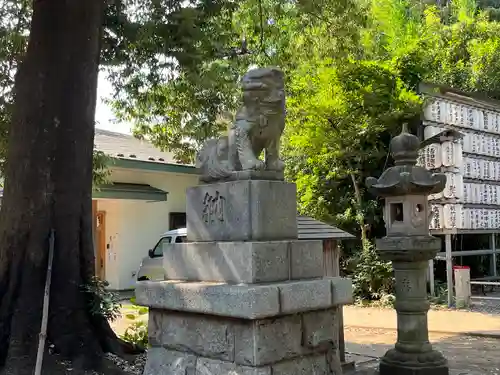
x=275, y=165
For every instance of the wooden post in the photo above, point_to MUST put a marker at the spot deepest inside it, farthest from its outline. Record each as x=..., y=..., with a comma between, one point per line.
x=331, y=264
x=331, y=258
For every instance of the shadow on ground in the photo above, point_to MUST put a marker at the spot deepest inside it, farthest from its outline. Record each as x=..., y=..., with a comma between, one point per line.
x=466, y=355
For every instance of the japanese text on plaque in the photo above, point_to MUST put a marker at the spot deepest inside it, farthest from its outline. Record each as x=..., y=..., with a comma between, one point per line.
x=213, y=208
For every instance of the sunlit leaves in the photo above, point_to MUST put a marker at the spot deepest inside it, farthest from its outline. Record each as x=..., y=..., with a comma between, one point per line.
x=340, y=119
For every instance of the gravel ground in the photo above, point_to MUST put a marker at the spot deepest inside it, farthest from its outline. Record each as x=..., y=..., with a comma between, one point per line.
x=135, y=368
x=486, y=306
x=466, y=355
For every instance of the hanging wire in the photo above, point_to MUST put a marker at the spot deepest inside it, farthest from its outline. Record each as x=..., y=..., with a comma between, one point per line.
x=261, y=16
x=387, y=157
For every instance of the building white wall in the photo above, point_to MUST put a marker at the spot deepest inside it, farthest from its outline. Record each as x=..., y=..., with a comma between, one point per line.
x=112, y=209
x=134, y=226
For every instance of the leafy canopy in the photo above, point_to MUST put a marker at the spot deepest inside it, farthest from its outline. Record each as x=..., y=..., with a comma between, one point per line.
x=353, y=69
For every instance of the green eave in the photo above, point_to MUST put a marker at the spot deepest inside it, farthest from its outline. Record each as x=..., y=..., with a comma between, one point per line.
x=148, y=165
x=130, y=191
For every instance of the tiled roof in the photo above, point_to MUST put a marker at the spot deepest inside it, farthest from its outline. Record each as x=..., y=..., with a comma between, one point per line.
x=310, y=229
x=126, y=146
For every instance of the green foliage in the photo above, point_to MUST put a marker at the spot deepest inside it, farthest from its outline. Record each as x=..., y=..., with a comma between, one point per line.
x=137, y=333
x=179, y=117
x=186, y=43
x=144, y=43
x=100, y=301
x=372, y=278
x=100, y=171
x=14, y=21
x=353, y=69
x=340, y=119
x=441, y=294
x=194, y=102
x=130, y=316
x=143, y=310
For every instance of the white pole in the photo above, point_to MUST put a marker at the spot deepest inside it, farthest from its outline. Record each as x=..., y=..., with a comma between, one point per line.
x=431, y=277
x=449, y=269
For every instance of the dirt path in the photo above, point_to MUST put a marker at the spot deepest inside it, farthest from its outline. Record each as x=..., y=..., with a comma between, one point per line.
x=449, y=321
x=466, y=355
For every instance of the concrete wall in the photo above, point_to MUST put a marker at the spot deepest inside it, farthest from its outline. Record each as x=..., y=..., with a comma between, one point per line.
x=134, y=226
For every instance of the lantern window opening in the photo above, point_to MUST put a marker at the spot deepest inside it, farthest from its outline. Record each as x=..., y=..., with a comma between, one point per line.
x=397, y=212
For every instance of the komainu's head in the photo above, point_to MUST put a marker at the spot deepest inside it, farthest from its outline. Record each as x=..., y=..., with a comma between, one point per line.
x=264, y=92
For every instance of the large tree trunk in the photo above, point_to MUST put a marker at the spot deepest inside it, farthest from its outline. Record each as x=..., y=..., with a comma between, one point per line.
x=48, y=186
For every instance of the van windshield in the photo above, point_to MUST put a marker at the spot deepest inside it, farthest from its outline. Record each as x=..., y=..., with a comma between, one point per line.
x=158, y=250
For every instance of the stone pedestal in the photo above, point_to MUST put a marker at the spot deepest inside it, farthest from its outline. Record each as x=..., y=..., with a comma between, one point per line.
x=242, y=210
x=247, y=297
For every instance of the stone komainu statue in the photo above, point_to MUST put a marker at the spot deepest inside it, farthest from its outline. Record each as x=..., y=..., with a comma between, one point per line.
x=258, y=127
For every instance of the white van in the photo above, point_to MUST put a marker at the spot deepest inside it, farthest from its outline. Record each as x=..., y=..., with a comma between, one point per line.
x=151, y=267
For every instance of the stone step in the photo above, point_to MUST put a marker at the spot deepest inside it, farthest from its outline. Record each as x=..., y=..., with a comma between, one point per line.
x=246, y=301
x=243, y=262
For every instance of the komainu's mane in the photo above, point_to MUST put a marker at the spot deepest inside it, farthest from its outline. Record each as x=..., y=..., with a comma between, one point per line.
x=211, y=162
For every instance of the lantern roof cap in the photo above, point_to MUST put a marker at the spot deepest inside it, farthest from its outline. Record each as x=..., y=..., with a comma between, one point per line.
x=405, y=177
x=404, y=147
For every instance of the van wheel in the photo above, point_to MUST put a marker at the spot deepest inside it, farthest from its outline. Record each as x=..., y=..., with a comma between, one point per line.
x=143, y=278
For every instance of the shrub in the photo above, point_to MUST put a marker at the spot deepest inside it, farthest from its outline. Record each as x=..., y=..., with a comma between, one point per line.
x=372, y=278
x=441, y=295
x=100, y=301
x=137, y=334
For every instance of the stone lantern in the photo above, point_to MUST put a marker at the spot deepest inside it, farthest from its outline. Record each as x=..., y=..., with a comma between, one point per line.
x=409, y=246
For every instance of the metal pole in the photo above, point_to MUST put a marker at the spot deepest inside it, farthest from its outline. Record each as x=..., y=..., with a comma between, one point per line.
x=431, y=277
x=449, y=269
x=493, y=246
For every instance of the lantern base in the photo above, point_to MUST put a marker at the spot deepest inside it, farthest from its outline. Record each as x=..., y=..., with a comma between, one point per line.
x=396, y=363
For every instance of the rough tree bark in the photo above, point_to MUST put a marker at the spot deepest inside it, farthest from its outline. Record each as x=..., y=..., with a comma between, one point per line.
x=48, y=185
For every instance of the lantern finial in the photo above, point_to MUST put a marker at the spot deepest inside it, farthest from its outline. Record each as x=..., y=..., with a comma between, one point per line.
x=404, y=147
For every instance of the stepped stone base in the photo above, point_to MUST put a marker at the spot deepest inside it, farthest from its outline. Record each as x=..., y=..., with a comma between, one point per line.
x=243, y=262
x=193, y=344
x=393, y=369
x=426, y=363
x=243, y=296
x=252, y=301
